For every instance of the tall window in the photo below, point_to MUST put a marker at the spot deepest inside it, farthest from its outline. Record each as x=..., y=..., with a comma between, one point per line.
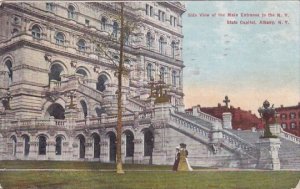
x=151, y=11
x=101, y=84
x=174, y=78
x=60, y=38
x=147, y=9
x=115, y=29
x=42, y=145
x=58, y=144
x=173, y=47
x=103, y=23
x=149, y=72
x=162, y=73
x=293, y=125
x=161, y=45
x=148, y=40
x=36, y=32
x=172, y=21
x=8, y=65
x=161, y=15
x=50, y=6
x=71, y=12
x=81, y=45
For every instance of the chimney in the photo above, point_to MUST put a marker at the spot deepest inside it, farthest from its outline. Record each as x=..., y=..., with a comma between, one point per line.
x=219, y=105
x=281, y=106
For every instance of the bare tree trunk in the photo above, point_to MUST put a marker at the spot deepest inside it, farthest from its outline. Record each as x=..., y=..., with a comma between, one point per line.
x=119, y=124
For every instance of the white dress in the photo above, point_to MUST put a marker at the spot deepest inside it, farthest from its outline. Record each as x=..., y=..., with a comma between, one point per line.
x=188, y=164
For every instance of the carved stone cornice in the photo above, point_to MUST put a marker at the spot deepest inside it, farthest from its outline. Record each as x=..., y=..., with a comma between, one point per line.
x=25, y=66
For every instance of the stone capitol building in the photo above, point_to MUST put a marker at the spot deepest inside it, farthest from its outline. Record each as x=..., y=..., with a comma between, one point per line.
x=58, y=90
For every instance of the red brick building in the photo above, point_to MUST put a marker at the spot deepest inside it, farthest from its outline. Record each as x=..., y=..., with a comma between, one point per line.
x=289, y=118
x=241, y=119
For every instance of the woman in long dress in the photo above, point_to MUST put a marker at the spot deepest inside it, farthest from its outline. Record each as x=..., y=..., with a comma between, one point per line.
x=187, y=161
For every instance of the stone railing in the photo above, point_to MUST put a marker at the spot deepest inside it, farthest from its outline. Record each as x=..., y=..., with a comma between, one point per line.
x=35, y=123
x=290, y=137
x=135, y=105
x=235, y=142
x=93, y=93
x=191, y=126
x=208, y=117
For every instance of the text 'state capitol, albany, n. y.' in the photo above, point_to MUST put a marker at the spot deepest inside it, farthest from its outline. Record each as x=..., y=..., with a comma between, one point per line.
x=58, y=90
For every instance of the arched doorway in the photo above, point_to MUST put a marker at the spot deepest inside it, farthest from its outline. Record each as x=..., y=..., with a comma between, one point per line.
x=101, y=84
x=81, y=141
x=58, y=145
x=148, y=143
x=112, y=146
x=96, y=145
x=26, y=140
x=57, y=111
x=55, y=72
x=129, y=143
x=14, y=145
x=42, y=145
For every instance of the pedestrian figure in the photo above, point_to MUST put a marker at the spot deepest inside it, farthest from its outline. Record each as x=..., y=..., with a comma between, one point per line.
x=177, y=157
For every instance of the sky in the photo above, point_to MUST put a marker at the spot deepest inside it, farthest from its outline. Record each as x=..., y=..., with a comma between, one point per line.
x=249, y=63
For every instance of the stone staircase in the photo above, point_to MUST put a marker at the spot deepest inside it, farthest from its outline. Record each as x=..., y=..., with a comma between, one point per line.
x=243, y=141
x=203, y=130
x=289, y=154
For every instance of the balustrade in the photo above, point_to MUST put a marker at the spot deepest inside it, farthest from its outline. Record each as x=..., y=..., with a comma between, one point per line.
x=290, y=136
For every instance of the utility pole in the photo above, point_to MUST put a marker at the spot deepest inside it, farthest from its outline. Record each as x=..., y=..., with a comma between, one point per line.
x=120, y=73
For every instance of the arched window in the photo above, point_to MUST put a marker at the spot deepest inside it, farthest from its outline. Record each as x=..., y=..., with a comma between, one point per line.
x=102, y=80
x=71, y=12
x=162, y=73
x=42, y=145
x=36, y=32
x=115, y=29
x=55, y=72
x=174, y=75
x=82, y=72
x=56, y=111
x=8, y=65
x=149, y=72
x=173, y=46
x=60, y=38
x=14, y=145
x=103, y=23
x=161, y=45
x=58, y=144
x=84, y=108
x=148, y=40
x=81, y=45
x=26, y=145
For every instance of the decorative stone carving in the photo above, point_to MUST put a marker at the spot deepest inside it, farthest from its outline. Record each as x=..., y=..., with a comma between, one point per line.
x=48, y=57
x=73, y=63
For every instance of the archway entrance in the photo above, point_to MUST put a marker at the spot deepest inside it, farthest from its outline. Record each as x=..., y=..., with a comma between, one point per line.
x=57, y=111
x=112, y=146
x=148, y=144
x=81, y=146
x=102, y=80
x=129, y=144
x=55, y=72
x=96, y=144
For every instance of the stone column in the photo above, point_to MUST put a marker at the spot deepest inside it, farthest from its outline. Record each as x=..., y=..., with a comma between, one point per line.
x=104, y=152
x=138, y=151
x=162, y=110
x=33, y=151
x=89, y=151
x=227, y=120
x=268, y=153
x=51, y=150
x=275, y=129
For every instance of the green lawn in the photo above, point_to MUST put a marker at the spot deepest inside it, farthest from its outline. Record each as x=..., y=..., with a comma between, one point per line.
x=156, y=178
